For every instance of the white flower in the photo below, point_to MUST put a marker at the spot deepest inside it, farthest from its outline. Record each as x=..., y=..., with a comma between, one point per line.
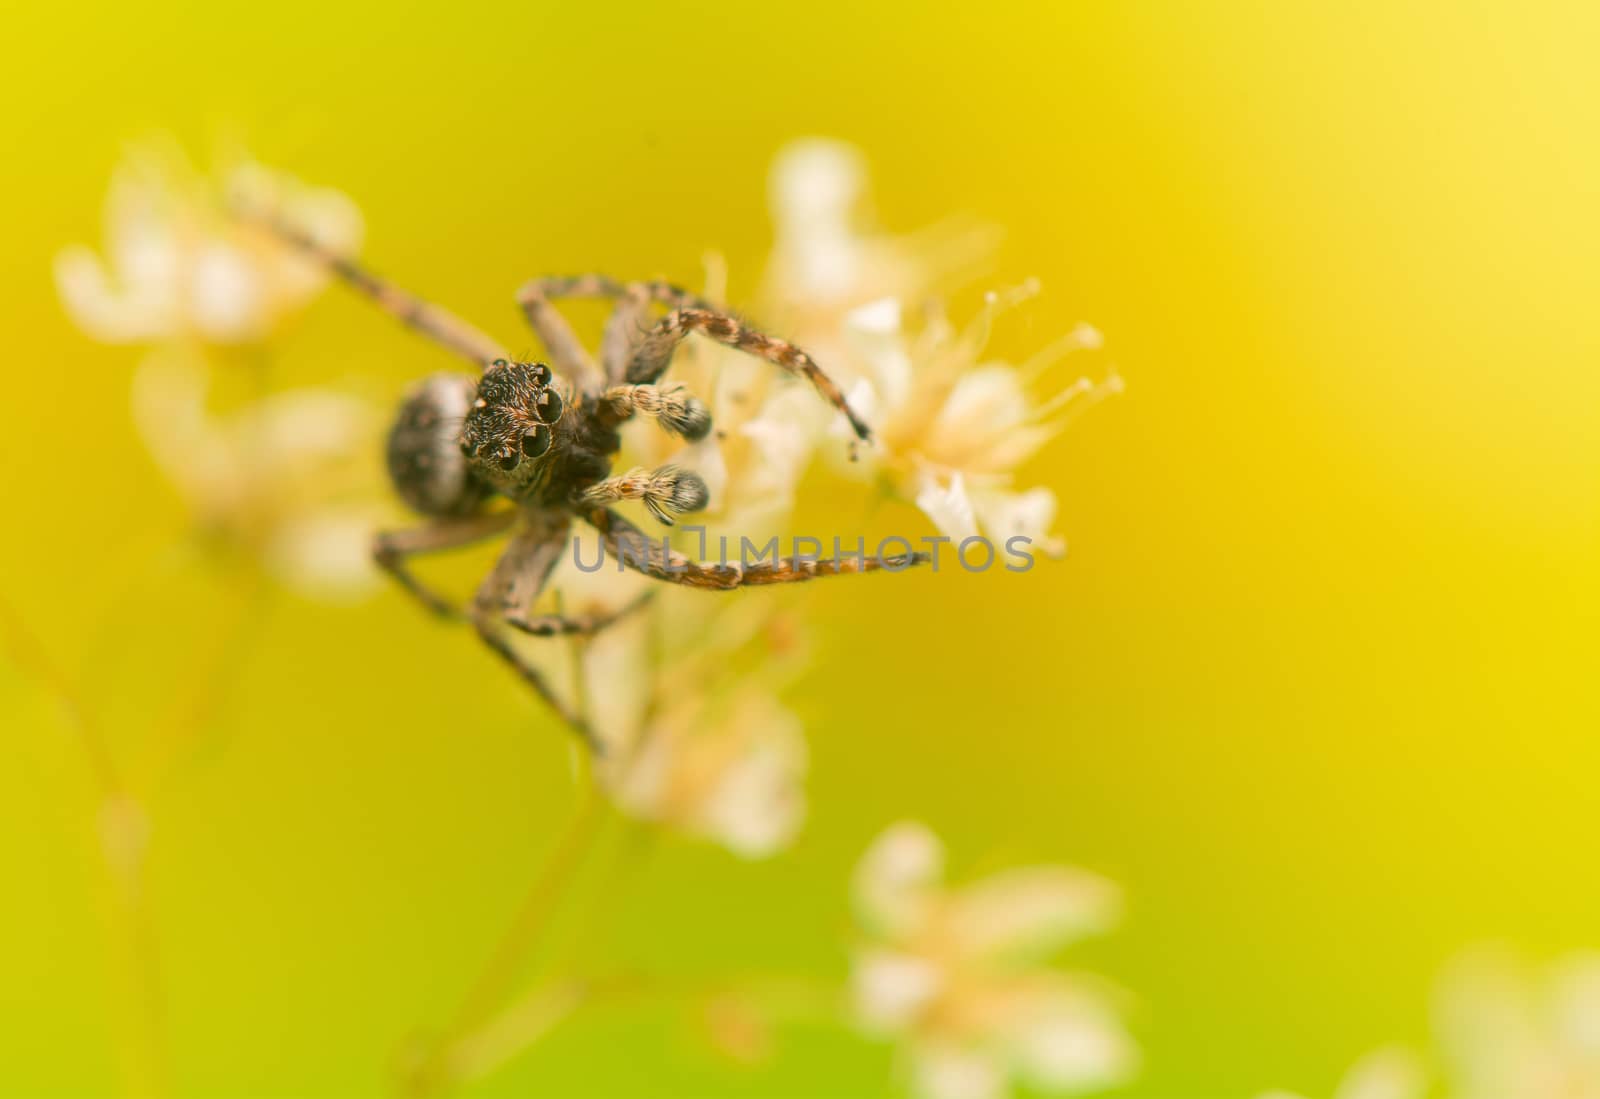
x=953, y=428
x=683, y=694
x=177, y=266
x=1506, y=1029
x=285, y=476
x=731, y=769
x=957, y=975
x=828, y=258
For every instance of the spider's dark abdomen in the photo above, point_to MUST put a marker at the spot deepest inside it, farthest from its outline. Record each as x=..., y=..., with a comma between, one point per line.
x=424, y=454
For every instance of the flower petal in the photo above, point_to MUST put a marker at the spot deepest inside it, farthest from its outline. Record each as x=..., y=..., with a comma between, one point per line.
x=758, y=805
x=1028, y=913
x=1073, y=1044
x=896, y=879
x=949, y=507
x=325, y=555
x=1030, y=514
x=947, y=1071
x=890, y=989
x=876, y=342
x=110, y=314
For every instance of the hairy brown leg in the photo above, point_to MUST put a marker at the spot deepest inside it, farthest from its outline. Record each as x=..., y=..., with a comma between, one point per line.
x=555, y=625
x=658, y=561
x=624, y=329
x=626, y=326
x=392, y=548
x=654, y=354
x=507, y=593
x=433, y=321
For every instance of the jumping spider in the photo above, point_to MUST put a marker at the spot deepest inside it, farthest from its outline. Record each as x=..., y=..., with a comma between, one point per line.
x=545, y=440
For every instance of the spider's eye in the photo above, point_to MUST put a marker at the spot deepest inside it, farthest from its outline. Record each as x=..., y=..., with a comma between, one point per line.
x=541, y=373
x=498, y=362
x=548, y=406
x=465, y=449
x=536, y=442
x=508, y=462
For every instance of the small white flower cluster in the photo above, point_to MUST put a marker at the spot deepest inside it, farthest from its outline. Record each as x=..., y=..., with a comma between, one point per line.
x=696, y=740
x=957, y=975
x=290, y=475
x=953, y=426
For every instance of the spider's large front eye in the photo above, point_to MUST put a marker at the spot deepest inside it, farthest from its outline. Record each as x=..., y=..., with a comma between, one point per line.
x=508, y=462
x=548, y=406
x=536, y=442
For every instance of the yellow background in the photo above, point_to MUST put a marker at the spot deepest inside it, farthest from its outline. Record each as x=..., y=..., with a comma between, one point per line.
x=1317, y=684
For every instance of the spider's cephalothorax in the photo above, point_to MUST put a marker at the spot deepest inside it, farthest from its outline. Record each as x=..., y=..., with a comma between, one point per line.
x=509, y=434
x=521, y=432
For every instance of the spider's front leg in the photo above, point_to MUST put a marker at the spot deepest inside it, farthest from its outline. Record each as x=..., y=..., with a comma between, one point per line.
x=625, y=328
x=654, y=354
x=630, y=546
x=435, y=322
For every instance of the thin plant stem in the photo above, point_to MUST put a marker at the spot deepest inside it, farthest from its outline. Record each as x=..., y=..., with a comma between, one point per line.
x=495, y=981
x=120, y=831
x=226, y=658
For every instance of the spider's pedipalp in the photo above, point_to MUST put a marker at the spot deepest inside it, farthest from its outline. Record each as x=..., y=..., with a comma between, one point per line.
x=667, y=492
x=674, y=409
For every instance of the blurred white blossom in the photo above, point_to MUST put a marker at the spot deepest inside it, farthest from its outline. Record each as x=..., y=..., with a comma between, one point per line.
x=1386, y=1074
x=289, y=476
x=958, y=975
x=176, y=266
x=728, y=768
x=684, y=696
x=1507, y=1029
x=828, y=257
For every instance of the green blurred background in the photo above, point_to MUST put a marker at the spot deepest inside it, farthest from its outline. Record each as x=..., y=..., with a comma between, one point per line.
x=1317, y=685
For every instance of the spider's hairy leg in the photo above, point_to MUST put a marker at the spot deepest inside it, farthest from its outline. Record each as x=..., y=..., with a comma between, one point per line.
x=518, y=578
x=435, y=322
x=625, y=326
x=555, y=625
x=392, y=548
x=627, y=323
x=660, y=562
x=666, y=492
x=674, y=409
x=654, y=354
